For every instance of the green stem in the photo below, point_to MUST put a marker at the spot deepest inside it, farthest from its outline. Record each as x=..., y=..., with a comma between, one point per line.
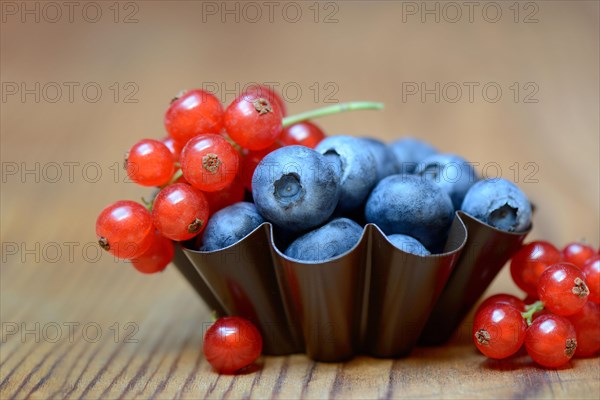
x=329, y=110
x=532, y=309
x=178, y=174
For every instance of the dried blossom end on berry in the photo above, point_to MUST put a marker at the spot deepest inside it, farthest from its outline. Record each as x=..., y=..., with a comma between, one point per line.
x=580, y=288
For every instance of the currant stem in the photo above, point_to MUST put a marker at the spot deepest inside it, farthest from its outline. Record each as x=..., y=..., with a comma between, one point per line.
x=532, y=309
x=329, y=110
x=178, y=174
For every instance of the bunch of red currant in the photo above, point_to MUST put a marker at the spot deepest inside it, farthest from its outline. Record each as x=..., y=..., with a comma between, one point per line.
x=559, y=319
x=205, y=164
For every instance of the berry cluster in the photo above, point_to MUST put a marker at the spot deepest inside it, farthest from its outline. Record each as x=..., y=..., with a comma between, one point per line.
x=562, y=318
x=205, y=164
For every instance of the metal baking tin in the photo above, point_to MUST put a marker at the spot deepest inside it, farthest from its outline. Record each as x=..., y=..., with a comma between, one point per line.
x=374, y=299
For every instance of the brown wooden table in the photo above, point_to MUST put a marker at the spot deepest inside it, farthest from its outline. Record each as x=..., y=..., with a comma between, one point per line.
x=77, y=324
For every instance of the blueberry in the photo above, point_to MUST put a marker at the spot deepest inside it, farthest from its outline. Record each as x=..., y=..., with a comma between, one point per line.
x=408, y=244
x=413, y=206
x=296, y=188
x=230, y=225
x=385, y=160
x=499, y=203
x=409, y=152
x=326, y=242
x=452, y=173
x=357, y=168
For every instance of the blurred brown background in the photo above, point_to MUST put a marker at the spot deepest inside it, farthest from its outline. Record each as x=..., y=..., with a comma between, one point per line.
x=82, y=81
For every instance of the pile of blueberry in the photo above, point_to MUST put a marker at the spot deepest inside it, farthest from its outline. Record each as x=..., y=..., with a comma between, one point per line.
x=559, y=318
x=222, y=172
x=322, y=197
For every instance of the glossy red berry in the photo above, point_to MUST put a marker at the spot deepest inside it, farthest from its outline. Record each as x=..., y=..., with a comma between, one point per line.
x=193, y=113
x=303, y=133
x=249, y=162
x=502, y=298
x=562, y=289
x=227, y=196
x=577, y=253
x=269, y=94
x=232, y=343
x=253, y=122
x=125, y=229
x=157, y=257
x=591, y=270
x=150, y=163
x=173, y=147
x=180, y=211
x=551, y=340
x=587, y=328
x=209, y=162
x=499, y=330
x=530, y=261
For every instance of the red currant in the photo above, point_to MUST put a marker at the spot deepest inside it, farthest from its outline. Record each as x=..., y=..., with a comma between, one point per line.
x=551, y=340
x=180, y=211
x=530, y=261
x=577, y=253
x=499, y=330
x=232, y=343
x=249, y=162
x=587, y=328
x=502, y=298
x=192, y=114
x=150, y=163
x=173, y=147
x=209, y=162
x=125, y=229
x=591, y=270
x=269, y=94
x=253, y=122
x=303, y=133
x=562, y=289
x=157, y=257
x=232, y=194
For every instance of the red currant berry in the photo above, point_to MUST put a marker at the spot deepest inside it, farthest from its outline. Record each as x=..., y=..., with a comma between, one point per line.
x=253, y=122
x=502, y=298
x=249, y=162
x=192, y=114
x=303, y=133
x=125, y=229
x=173, y=147
x=551, y=340
x=562, y=289
x=220, y=199
x=269, y=94
x=180, y=212
x=529, y=262
x=577, y=253
x=232, y=343
x=499, y=330
x=587, y=328
x=157, y=257
x=209, y=162
x=150, y=163
x=591, y=270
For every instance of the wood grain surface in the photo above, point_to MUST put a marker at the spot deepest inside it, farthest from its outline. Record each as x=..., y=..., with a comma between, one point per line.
x=78, y=324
